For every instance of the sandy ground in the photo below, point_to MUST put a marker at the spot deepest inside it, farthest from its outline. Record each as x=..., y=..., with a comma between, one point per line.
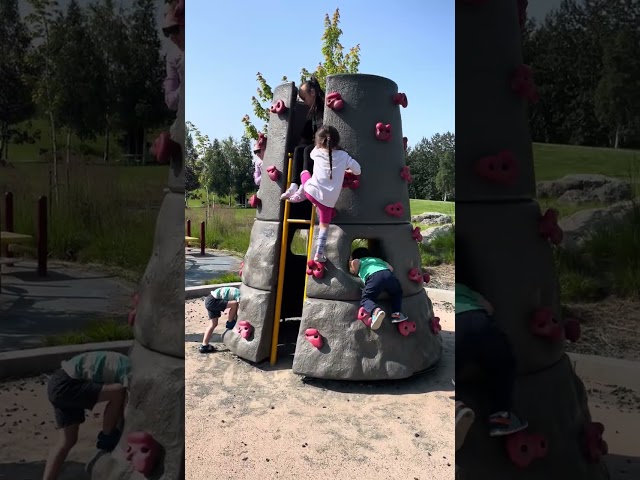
x=247, y=422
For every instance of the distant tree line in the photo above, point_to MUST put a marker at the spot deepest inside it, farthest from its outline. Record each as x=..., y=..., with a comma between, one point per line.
x=586, y=61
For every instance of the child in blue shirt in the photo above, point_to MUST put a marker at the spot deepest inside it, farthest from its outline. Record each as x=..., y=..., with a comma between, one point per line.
x=221, y=299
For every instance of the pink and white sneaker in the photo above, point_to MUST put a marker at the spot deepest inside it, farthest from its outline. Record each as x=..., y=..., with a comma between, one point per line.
x=293, y=188
x=299, y=196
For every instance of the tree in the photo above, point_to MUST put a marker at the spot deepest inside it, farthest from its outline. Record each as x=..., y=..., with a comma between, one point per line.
x=446, y=177
x=242, y=170
x=424, y=161
x=191, y=173
x=16, y=103
x=219, y=169
x=335, y=61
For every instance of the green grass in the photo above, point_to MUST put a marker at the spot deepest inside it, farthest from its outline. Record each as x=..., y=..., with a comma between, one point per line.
x=108, y=330
x=226, y=278
x=423, y=206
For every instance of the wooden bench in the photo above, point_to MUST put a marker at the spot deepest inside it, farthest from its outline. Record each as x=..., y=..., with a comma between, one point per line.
x=12, y=238
x=188, y=240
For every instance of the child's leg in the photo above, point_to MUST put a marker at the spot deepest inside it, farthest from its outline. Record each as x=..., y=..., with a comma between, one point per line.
x=114, y=394
x=372, y=289
x=296, y=170
x=215, y=307
x=308, y=162
x=299, y=196
x=233, y=312
x=464, y=420
x=67, y=438
x=394, y=289
x=206, y=347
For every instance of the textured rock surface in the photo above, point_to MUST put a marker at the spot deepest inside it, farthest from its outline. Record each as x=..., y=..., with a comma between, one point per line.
x=256, y=307
x=261, y=260
x=432, y=218
x=156, y=406
x=581, y=225
x=586, y=188
x=399, y=249
x=430, y=234
x=353, y=351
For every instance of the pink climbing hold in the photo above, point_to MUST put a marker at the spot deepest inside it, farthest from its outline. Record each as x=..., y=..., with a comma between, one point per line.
x=572, y=330
x=278, y=107
x=314, y=337
x=540, y=443
x=405, y=174
x=416, y=234
x=434, y=323
x=143, y=452
x=164, y=148
x=261, y=144
x=351, y=181
x=405, y=140
x=335, y=101
x=401, y=99
x=545, y=324
x=415, y=275
x=364, y=317
x=254, y=201
x=406, y=328
x=395, y=209
x=594, y=444
x=273, y=172
x=426, y=278
x=501, y=168
x=131, y=318
x=315, y=269
x=522, y=12
x=244, y=329
x=383, y=132
x=523, y=448
x=522, y=83
x=548, y=226
x=241, y=267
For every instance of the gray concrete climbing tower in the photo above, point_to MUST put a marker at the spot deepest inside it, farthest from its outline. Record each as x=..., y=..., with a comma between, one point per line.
x=506, y=242
x=332, y=342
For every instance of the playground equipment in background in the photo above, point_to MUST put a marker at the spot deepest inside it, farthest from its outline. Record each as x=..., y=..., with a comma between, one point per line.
x=284, y=293
x=498, y=220
x=9, y=237
x=189, y=239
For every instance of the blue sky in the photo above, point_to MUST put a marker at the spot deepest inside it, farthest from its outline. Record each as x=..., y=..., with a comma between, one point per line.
x=228, y=42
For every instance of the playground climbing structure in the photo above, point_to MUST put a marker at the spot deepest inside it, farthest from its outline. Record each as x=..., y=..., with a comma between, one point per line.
x=498, y=221
x=280, y=288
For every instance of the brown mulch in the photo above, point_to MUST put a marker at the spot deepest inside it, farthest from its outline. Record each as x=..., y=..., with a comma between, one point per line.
x=442, y=276
x=609, y=328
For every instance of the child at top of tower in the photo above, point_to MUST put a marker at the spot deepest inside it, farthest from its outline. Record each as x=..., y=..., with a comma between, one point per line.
x=218, y=301
x=378, y=277
x=324, y=186
x=480, y=341
x=312, y=95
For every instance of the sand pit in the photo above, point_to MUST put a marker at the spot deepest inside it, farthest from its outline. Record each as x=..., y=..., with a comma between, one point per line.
x=245, y=422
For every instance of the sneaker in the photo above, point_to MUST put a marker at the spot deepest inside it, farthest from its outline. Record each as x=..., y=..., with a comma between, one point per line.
x=298, y=197
x=207, y=349
x=320, y=258
x=106, y=442
x=505, y=423
x=293, y=188
x=398, y=317
x=464, y=419
x=230, y=324
x=377, y=318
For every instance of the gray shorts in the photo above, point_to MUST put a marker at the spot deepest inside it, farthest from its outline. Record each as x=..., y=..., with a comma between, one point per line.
x=215, y=306
x=71, y=397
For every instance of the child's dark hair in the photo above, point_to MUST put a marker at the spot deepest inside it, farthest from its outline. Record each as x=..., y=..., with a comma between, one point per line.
x=360, y=252
x=329, y=138
x=318, y=104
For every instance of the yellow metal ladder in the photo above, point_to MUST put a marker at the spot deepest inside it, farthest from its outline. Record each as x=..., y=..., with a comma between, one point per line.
x=283, y=260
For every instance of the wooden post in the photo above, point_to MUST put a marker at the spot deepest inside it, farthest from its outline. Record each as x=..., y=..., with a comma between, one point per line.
x=202, y=239
x=188, y=228
x=8, y=218
x=42, y=236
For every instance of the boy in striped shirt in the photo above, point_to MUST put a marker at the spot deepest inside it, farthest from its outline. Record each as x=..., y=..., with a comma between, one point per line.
x=81, y=383
x=221, y=299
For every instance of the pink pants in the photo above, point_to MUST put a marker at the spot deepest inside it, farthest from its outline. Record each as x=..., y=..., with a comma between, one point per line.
x=325, y=214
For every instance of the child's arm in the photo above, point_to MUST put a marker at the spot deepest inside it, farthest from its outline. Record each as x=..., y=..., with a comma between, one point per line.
x=353, y=165
x=257, y=173
x=354, y=266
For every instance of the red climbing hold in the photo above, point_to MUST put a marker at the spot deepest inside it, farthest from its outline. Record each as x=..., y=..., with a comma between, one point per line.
x=406, y=328
x=262, y=142
x=416, y=234
x=594, y=444
x=405, y=140
x=501, y=168
x=434, y=323
x=572, y=329
x=241, y=268
x=540, y=443
x=522, y=448
x=314, y=337
x=273, y=172
x=278, y=107
x=405, y=174
x=395, y=209
x=545, y=324
x=364, y=317
x=316, y=269
x=335, y=101
x=254, y=201
x=548, y=226
x=351, y=181
x=522, y=12
x=522, y=83
x=426, y=277
x=383, y=132
x=400, y=99
x=415, y=275
x=244, y=329
x=131, y=319
x=164, y=148
x=143, y=452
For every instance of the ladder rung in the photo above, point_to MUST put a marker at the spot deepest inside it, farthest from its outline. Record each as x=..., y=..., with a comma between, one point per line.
x=294, y=220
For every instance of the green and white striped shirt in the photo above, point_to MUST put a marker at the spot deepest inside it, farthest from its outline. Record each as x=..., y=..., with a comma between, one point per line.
x=226, y=293
x=99, y=367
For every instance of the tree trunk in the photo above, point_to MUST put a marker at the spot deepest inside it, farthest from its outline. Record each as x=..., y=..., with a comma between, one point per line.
x=616, y=142
x=107, y=132
x=54, y=147
x=68, y=155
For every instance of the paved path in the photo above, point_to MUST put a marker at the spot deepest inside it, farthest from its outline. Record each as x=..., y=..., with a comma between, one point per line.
x=33, y=307
x=199, y=269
